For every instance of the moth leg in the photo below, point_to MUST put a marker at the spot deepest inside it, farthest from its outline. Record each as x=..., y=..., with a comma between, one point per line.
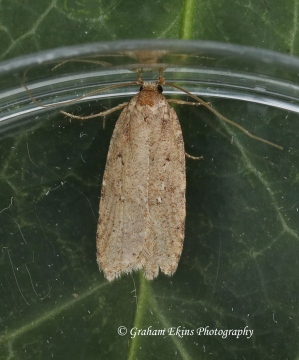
x=193, y=157
x=221, y=117
x=103, y=113
x=182, y=102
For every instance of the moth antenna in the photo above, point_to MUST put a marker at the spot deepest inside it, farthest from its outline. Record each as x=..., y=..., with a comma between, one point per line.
x=75, y=100
x=139, y=73
x=209, y=107
x=102, y=63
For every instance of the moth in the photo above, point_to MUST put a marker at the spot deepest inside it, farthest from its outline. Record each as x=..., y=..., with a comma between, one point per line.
x=142, y=211
x=143, y=208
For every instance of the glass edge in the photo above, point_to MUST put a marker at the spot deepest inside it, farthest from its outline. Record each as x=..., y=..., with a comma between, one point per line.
x=261, y=55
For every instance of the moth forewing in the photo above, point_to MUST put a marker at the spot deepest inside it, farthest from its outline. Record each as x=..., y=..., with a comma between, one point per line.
x=142, y=207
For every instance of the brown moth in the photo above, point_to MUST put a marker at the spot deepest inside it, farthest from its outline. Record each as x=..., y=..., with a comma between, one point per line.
x=142, y=208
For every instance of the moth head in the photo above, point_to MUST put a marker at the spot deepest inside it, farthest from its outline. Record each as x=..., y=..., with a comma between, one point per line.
x=151, y=86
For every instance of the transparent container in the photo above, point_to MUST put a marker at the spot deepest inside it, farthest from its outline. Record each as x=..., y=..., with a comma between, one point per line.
x=239, y=266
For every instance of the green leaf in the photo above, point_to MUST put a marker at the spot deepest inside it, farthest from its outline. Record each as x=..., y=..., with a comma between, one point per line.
x=239, y=264
x=239, y=267
x=28, y=26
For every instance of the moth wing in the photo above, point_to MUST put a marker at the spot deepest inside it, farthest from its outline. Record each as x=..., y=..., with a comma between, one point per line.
x=167, y=186
x=123, y=215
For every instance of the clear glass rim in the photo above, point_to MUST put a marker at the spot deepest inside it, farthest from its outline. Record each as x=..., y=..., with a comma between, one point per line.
x=186, y=46
x=234, y=72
